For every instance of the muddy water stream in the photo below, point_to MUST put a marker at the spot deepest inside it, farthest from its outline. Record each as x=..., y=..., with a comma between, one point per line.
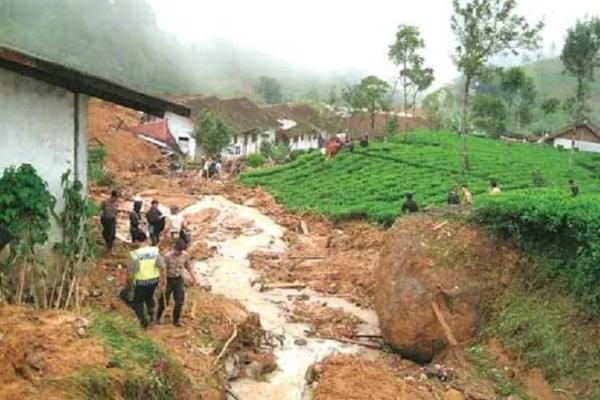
x=229, y=273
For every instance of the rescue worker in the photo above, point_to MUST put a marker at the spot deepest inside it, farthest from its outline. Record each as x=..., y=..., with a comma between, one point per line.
x=156, y=222
x=174, y=263
x=409, y=206
x=144, y=276
x=108, y=218
x=177, y=225
x=135, y=219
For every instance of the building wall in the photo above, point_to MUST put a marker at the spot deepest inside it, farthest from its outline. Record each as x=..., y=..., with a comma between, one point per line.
x=37, y=126
x=304, y=142
x=579, y=144
x=182, y=128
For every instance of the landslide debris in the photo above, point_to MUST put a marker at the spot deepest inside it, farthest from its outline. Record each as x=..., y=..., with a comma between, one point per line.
x=429, y=262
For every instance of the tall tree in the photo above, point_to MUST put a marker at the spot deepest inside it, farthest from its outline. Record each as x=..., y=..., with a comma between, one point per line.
x=369, y=95
x=270, y=89
x=422, y=79
x=404, y=53
x=581, y=56
x=484, y=29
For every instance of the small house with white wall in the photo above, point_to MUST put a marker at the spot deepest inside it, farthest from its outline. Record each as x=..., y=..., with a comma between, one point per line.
x=173, y=134
x=43, y=115
x=584, y=136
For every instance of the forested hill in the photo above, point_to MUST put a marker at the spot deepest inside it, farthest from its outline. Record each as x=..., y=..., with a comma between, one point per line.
x=550, y=81
x=121, y=40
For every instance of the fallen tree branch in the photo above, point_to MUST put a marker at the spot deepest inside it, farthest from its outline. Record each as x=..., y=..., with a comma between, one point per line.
x=271, y=286
x=439, y=226
x=229, y=392
x=350, y=341
x=224, y=349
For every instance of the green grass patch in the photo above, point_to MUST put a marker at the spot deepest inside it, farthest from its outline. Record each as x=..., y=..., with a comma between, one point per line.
x=141, y=368
x=544, y=329
x=486, y=369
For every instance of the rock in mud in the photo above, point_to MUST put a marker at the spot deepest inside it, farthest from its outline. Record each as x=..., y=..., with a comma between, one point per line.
x=425, y=262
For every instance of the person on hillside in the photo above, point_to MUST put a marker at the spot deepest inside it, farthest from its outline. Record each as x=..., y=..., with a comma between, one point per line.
x=144, y=276
x=409, y=205
x=156, y=222
x=332, y=148
x=206, y=167
x=348, y=145
x=454, y=198
x=136, y=223
x=494, y=189
x=108, y=218
x=174, y=263
x=364, y=141
x=321, y=141
x=574, y=188
x=177, y=225
x=467, y=197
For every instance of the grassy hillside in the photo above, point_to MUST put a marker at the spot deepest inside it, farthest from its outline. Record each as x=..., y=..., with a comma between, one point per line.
x=550, y=81
x=371, y=183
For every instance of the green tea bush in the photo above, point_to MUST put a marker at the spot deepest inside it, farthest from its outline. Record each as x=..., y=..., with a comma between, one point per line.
x=370, y=183
x=562, y=229
x=255, y=160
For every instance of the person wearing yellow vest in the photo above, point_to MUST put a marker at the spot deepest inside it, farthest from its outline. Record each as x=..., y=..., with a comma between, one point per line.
x=145, y=274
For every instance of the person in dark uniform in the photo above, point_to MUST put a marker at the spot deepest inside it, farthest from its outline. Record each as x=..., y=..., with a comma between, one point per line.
x=156, y=222
x=135, y=220
x=574, y=188
x=410, y=205
x=108, y=218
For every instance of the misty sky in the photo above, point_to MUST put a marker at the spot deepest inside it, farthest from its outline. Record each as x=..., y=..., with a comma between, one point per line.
x=338, y=35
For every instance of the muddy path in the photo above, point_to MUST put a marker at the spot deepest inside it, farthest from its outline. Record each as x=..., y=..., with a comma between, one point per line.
x=236, y=231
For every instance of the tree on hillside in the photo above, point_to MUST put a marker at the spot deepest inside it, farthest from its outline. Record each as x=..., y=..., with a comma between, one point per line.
x=520, y=93
x=489, y=115
x=422, y=79
x=404, y=53
x=440, y=109
x=369, y=95
x=581, y=56
x=550, y=106
x=270, y=89
x=212, y=133
x=484, y=29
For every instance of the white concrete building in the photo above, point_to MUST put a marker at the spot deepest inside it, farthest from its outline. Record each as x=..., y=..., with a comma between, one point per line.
x=43, y=116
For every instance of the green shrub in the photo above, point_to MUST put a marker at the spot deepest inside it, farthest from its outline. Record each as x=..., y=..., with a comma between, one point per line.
x=279, y=154
x=255, y=160
x=562, y=229
x=266, y=148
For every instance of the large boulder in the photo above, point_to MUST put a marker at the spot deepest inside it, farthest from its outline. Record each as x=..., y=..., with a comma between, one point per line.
x=426, y=261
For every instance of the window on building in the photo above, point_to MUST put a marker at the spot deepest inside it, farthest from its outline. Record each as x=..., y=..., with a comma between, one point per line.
x=254, y=138
x=235, y=138
x=184, y=143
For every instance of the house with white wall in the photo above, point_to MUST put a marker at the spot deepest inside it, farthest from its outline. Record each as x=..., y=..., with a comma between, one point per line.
x=43, y=115
x=301, y=125
x=251, y=125
x=174, y=133
x=584, y=136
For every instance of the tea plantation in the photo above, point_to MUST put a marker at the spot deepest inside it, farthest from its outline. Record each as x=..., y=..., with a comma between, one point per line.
x=371, y=183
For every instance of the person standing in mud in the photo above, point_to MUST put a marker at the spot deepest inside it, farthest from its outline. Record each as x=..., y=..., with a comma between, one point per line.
x=144, y=276
x=177, y=225
x=108, y=218
x=156, y=222
x=135, y=219
x=467, y=197
x=174, y=263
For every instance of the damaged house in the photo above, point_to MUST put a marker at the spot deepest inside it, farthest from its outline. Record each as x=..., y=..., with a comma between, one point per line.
x=43, y=118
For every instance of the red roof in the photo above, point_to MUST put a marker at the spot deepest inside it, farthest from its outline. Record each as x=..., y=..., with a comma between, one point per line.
x=157, y=130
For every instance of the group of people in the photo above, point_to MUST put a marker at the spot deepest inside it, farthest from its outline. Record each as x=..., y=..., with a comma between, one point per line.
x=147, y=269
x=210, y=167
x=454, y=199
x=343, y=143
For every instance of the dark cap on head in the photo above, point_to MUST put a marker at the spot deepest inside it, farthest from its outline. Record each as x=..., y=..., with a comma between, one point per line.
x=114, y=193
x=139, y=237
